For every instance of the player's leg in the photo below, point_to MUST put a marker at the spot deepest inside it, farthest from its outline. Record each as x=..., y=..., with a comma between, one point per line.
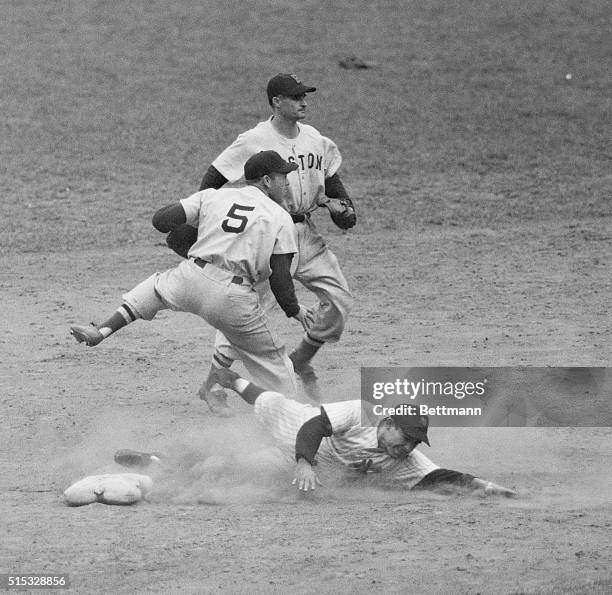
x=141, y=302
x=322, y=275
x=265, y=358
x=318, y=270
x=224, y=356
x=281, y=417
x=234, y=309
x=248, y=328
x=210, y=391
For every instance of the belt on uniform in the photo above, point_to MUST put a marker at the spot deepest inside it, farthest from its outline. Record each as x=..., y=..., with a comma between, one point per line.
x=202, y=263
x=300, y=218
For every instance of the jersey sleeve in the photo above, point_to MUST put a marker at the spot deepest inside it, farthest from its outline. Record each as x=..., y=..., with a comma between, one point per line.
x=333, y=158
x=230, y=163
x=343, y=415
x=286, y=239
x=191, y=205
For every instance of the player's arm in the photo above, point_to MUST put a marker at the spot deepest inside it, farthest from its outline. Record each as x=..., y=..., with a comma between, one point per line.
x=310, y=435
x=182, y=236
x=169, y=217
x=341, y=207
x=334, y=188
x=282, y=285
x=213, y=178
x=307, y=444
x=283, y=289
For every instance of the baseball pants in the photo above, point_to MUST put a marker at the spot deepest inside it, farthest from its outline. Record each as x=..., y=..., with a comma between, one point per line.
x=233, y=309
x=318, y=270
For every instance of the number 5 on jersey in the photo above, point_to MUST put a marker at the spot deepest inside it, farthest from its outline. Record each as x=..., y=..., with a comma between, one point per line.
x=236, y=222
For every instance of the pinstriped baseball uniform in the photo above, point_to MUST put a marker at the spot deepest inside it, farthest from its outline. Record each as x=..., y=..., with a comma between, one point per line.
x=350, y=443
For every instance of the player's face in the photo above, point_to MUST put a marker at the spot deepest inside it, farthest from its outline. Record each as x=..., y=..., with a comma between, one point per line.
x=292, y=107
x=278, y=187
x=393, y=440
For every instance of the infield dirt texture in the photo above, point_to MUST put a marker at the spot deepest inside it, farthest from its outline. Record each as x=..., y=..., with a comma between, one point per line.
x=482, y=180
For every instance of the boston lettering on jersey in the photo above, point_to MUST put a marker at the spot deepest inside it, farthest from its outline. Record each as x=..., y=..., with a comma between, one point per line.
x=310, y=161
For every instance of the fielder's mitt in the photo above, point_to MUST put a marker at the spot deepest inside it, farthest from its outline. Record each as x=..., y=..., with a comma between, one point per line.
x=181, y=238
x=341, y=210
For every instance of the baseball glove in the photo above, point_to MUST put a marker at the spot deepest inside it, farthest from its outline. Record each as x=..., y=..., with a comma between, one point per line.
x=341, y=210
x=181, y=238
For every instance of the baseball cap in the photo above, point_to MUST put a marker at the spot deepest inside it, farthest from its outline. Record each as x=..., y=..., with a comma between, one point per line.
x=288, y=85
x=413, y=426
x=266, y=162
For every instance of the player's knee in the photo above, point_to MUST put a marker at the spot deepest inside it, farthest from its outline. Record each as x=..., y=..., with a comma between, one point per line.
x=144, y=299
x=340, y=309
x=331, y=325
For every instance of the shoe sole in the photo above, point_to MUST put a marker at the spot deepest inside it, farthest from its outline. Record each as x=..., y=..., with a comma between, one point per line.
x=215, y=408
x=133, y=458
x=83, y=337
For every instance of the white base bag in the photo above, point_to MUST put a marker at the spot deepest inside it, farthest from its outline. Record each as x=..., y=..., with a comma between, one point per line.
x=113, y=488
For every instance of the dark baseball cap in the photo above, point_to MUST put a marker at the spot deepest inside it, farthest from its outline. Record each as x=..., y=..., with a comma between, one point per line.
x=288, y=85
x=265, y=163
x=413, y=426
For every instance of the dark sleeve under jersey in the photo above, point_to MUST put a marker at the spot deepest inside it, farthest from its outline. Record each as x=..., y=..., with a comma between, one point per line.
x=169, y=217
x=281, y=283
x=334, y=187
x=310, y=435
x=213, y=178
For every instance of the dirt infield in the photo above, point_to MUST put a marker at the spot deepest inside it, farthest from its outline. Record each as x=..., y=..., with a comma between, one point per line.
x=481, y=177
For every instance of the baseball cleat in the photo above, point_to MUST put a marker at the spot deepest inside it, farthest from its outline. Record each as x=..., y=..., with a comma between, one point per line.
x=134, y=458
x=224, y=376
x=217, y=401
x=89, y=335
x=308, y=377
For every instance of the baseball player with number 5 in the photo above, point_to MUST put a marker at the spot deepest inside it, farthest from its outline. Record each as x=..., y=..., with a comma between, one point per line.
x=315, y=183
x=244, y=238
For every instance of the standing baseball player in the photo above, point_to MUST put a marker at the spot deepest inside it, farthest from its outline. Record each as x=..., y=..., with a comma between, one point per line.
x=315, y=183
x=332, y=437
x=244, y=238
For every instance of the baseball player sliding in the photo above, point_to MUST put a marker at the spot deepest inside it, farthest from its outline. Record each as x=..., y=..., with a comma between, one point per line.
x=333, y=438
x=244, y=238
x=314, y=183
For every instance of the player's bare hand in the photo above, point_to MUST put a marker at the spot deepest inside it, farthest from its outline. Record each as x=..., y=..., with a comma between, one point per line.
x=305, y=478
x=305, y=317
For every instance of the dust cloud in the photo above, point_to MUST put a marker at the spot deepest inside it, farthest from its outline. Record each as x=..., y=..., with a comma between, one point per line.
x=234, y=462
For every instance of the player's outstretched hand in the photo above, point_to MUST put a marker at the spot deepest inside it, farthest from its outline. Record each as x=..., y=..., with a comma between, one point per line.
x=305, y=478
x=305, y=317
